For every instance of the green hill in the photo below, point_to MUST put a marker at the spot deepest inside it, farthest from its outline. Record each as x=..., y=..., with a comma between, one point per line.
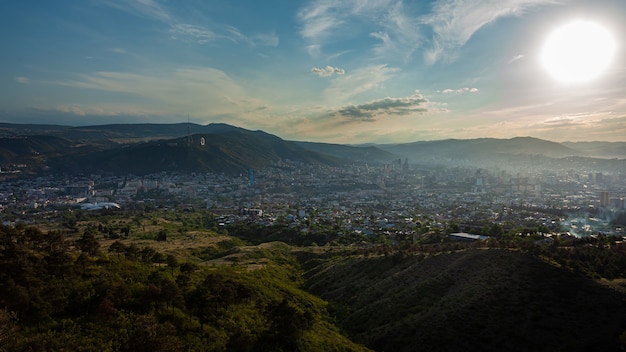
x=473, y=300
x=59, y=294
x=232, y=152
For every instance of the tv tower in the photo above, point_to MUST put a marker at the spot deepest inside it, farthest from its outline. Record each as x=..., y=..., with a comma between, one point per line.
x=189, y=139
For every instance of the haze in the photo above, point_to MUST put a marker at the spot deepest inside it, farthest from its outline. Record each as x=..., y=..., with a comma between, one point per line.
x=381, y=71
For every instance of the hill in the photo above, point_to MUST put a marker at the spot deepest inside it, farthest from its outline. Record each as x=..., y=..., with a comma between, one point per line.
x=150, y=148
x=21, y=146
x=353, y=153
x=115, y=131
x=473, y=300
x=232, y=152
x=599, y=149
x=71, y=295
x=480, y=148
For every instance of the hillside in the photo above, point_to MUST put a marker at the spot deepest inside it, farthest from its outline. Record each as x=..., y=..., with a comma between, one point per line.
x=115, y=131
x=73, y=295
x=600, y=149
x=480, y=148
x=474, y=300
x=232, y=152
x=152, y=148
x=354, y=153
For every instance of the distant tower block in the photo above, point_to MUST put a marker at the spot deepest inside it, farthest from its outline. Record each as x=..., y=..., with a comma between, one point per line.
x=251, y=177
x=604, y=199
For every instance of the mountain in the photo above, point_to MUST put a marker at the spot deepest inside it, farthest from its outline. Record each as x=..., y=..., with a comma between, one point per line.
x=35, y=151
x=233, y=151
x=20, y=146
x=145, y=131
x=116, y=131
x=146, y=148
x=353, y=153
x=471, y=300
x=480, y=148
x=599, y=149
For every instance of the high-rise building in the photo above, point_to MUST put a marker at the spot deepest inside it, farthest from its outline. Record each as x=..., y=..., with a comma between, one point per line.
x=604, y=199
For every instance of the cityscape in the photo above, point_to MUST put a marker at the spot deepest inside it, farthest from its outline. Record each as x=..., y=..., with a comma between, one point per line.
x=313, y=176
x=387, y=198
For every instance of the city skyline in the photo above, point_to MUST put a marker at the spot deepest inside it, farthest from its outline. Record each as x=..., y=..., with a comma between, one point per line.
x=385, y=71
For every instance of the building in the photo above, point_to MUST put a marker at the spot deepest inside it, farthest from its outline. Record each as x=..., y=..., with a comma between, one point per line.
x=605, y=201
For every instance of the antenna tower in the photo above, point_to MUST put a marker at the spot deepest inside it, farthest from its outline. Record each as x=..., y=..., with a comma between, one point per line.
x=189, y=140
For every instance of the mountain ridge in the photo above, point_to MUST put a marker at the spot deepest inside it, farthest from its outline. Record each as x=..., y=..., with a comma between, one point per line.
x=122, y=148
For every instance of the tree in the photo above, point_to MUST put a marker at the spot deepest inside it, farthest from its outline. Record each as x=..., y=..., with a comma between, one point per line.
x=8, y=330
x=162, y=236
x=172, y=262
x=88, y=243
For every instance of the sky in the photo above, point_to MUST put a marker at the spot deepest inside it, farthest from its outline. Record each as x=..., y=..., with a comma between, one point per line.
x=349, y=72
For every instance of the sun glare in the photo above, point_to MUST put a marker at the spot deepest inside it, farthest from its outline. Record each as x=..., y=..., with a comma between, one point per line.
x=578, y=51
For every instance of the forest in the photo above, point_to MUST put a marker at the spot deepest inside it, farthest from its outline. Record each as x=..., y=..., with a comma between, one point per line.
x=173, y=281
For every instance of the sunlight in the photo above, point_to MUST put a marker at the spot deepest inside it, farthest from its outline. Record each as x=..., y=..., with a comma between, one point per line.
x=578, y=51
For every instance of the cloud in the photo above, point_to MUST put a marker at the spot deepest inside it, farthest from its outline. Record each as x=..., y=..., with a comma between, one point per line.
x=144, y=8
x=515, y=58
x=415, y=104
x=454, y=22
x=22, y=80
x=324, y=21
x=201, y=90
x=400, y=34
x=327, y=71
x=460, y=90
x=204, y=35
x=358, y=81
x=188, y=31
x=269, y=39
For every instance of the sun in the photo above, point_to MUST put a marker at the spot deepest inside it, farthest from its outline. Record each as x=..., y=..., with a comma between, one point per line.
x=578, y=51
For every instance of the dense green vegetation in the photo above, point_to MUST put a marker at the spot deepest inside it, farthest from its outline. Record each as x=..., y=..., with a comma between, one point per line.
x=472, y=299
x=59, y=294
x=173, y=280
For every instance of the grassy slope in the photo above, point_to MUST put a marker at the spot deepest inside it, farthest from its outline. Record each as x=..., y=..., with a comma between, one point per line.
x=481, y=300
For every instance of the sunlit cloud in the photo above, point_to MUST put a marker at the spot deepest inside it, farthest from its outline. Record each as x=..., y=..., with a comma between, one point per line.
x=516, y=58
x=359, y=81
x=454, y=22
x=460, y=90
x=323, y=21
x=198, y=90
x=415, y=104
x=327, y=71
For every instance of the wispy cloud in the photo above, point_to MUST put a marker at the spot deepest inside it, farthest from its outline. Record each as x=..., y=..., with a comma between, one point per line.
x=196, y=33
x=460, y=90
x=415, y=104
x=181, y=30
x=454, y=22
x=322, y=20
x=359, y=81
x=144, y=8
x=327, y=71
x=400, y=34
x=516, y=58
x=22, y=80
x=205, y=90
x=267, y=39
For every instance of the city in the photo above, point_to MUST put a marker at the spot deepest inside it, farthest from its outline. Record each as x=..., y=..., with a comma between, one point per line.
x=396, y=200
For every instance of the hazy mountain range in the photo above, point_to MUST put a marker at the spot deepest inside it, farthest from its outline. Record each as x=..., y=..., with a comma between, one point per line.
x=188, y=147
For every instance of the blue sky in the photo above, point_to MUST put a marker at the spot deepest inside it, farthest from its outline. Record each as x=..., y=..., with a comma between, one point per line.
x=323, y=70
